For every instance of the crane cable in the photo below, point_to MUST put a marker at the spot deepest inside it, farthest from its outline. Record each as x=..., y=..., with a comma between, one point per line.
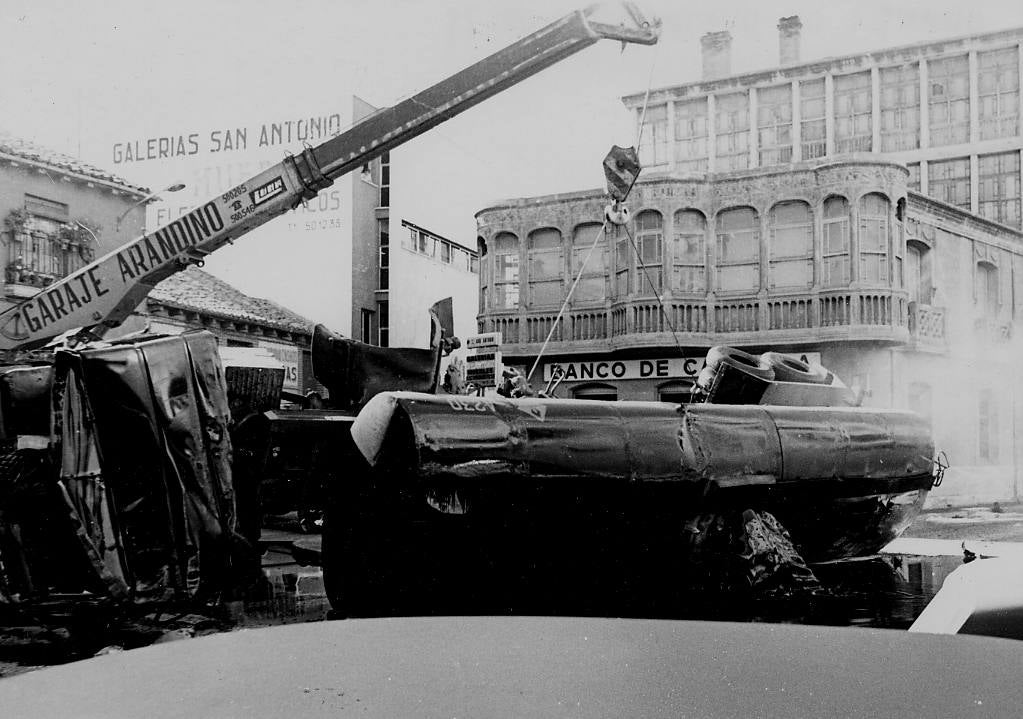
x=601, y=233
x=656, y=292
x=568, y=297
x=632, y=241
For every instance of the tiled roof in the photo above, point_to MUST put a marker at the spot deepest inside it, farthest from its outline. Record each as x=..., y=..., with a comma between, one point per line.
x=10, y=145
x=198, y=291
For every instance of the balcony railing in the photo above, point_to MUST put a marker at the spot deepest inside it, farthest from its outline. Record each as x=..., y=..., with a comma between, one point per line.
x=927, y=324
x=838, y=314
x=814, y=148
x=789, y=314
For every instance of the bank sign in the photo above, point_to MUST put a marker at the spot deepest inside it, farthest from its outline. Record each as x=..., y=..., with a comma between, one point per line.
x=664, y=368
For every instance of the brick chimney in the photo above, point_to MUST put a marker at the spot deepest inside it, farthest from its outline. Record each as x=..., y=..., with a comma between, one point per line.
x=717, y=54
x=789, y=39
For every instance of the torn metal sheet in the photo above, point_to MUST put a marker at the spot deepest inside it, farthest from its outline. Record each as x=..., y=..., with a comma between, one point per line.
x=160, y=495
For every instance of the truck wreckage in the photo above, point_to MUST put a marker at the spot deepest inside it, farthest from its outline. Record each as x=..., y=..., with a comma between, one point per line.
x=131, y=468
x=116, y=468
x=736, y=496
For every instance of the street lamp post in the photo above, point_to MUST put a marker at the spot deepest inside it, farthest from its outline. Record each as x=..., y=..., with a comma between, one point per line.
x=170, y=188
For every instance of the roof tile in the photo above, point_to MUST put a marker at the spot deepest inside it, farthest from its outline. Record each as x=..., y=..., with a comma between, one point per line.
x=198, y=291
x=27, y=150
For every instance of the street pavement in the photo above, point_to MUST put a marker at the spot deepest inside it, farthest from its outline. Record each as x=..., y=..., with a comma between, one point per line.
x=989, y=523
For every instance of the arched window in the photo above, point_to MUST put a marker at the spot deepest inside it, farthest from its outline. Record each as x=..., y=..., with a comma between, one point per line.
x=918, y=273
x=738, y=249
x=987, y=292
x=650, y=245
x=680, y=391
x=874, y=239
x=604, y=392
x=545, y=267
x=791, y=226
x=594, y=271
x=835, y=243
x=690, y=252
x=506, y=271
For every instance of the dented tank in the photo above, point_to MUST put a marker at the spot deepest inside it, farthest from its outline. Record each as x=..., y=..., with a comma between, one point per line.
x=851, y=449
x=520, y=498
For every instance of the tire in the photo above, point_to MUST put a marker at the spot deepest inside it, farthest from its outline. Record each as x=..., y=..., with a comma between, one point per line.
x=787, y=369
x=743, y=361
x=349, y=554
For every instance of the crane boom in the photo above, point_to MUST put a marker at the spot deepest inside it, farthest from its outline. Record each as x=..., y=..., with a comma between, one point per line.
x=103, y=293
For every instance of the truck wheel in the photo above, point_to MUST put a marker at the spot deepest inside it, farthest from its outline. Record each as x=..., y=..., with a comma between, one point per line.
x=348, y=549
x=788, y=369
x=750, y=364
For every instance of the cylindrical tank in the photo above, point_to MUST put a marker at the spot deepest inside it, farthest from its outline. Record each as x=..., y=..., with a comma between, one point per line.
x=475, y=438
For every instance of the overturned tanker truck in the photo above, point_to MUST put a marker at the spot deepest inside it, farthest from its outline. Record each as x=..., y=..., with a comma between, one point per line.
x=771, y=468
x=122, y=464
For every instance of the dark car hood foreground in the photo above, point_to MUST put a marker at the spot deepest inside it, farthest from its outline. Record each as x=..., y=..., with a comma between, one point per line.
x=536, y=667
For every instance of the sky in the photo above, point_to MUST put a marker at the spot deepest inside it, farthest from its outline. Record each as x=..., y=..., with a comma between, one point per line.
x=76, y=76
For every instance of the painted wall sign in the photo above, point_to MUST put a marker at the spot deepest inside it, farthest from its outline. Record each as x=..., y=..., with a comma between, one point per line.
x=662, y=368
x=291, y=358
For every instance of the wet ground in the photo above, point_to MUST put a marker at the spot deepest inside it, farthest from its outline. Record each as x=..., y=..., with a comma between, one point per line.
x=888, y=591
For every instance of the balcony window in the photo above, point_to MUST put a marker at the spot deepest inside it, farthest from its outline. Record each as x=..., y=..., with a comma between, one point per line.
x=41, y=249
x=999, y=188
x=506, y=271
x=986, y=290
x=653, y=145
x=835, y=245
x=774, y=124
x=949, y=181
x=791, y=228
x=998, y=93
x=650, y=244
x=874, y=239
x=691, y=135
x=738, y=249
x=987, y=427
x=731, y=125
x=948, y=98
x=918, y=273
x=813, y=126
x=546, y=268
x=592, y=265
x=623, y=256
x=900, y=108
x=689, y=254
x=853, y=107
x=914, y=176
